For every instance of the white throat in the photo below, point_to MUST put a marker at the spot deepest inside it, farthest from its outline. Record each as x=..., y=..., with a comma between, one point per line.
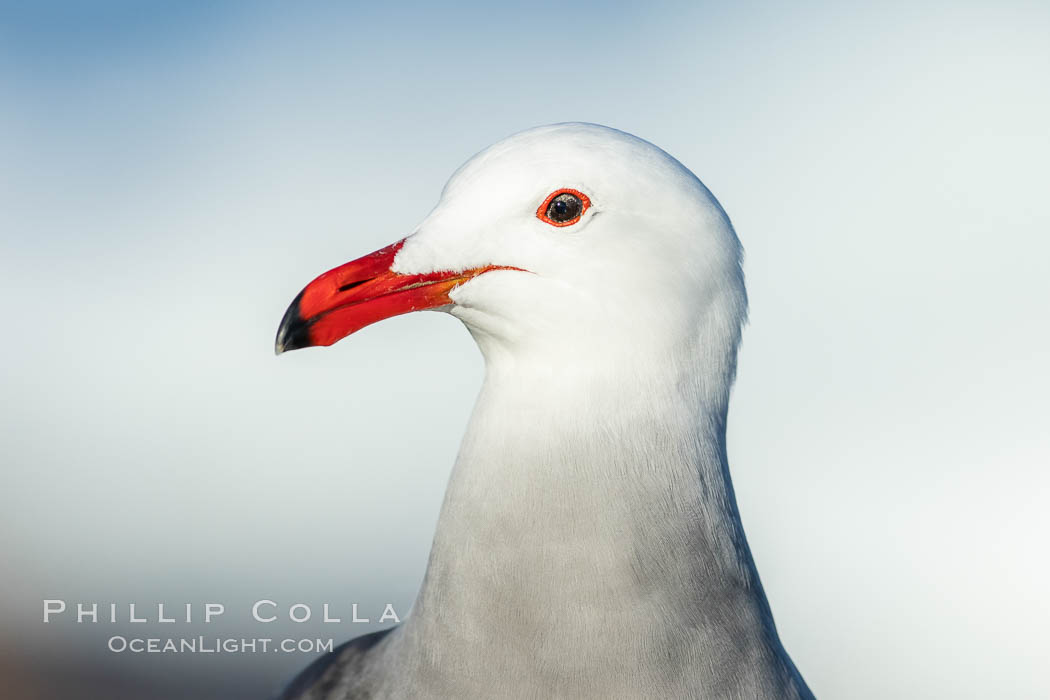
x=590, y=532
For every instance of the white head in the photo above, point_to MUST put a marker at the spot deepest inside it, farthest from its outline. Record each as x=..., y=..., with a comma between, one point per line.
x=651, y=264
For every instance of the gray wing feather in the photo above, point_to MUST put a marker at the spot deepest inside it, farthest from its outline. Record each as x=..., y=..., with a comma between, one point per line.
x=325, y=676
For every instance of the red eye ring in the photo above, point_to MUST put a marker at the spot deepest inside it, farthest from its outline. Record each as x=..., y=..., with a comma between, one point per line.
x=543, y=213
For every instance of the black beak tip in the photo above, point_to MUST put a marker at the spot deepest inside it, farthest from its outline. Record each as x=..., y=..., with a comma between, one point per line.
x=294, y=332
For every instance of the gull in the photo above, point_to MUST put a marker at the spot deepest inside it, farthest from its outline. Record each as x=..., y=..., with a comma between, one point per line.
x=589, y=544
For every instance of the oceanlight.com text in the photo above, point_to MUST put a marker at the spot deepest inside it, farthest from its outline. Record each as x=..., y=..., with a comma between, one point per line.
x=216, y=645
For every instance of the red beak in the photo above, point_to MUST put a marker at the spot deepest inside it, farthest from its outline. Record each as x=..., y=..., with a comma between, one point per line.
x=359, y=293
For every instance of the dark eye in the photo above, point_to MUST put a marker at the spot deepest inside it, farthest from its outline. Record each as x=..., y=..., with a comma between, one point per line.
x=563, y=208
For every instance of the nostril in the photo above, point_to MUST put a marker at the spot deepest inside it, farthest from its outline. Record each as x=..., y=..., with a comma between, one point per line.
x=350, y=285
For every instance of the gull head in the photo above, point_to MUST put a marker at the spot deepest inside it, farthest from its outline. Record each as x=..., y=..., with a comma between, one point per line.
x=575, y=239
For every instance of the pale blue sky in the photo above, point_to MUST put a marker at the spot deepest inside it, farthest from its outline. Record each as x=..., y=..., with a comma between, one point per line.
x=173, y=174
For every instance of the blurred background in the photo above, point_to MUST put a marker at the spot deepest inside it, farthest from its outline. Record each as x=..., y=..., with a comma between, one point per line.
x=171, y=174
